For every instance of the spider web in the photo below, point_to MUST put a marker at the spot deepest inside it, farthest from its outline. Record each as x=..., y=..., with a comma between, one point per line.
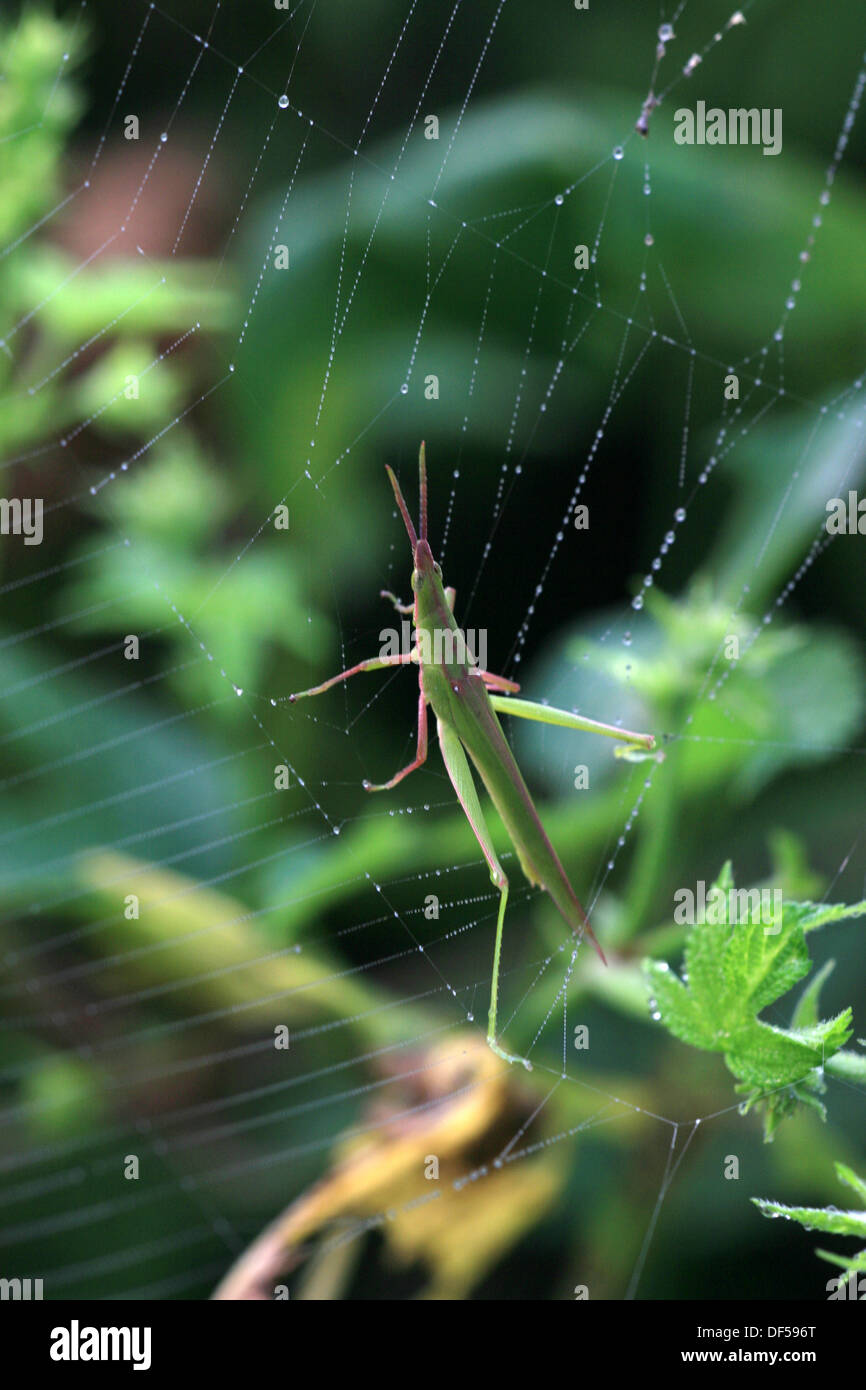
x=422, y=297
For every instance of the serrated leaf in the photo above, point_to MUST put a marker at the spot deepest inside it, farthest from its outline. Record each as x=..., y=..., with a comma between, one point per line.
x=831, y=1219
x=814, y=915
x=838, y=1223
x=806, y=1011
x=765, y=1056
x=678, y=1008
x=764, y=963
x=736, y=969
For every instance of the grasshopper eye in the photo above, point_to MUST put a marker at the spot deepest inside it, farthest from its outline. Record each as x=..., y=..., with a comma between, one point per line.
x=437, y=569
x=416, y=581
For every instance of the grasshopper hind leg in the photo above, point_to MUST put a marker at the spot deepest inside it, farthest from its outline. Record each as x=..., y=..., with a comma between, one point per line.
x=460, y=773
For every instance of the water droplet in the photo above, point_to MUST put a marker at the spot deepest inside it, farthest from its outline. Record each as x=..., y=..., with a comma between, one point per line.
x=637, y=602
x=283, y=102
x=559, y=200
x=680, y=514
x=626, y=639
x=666, y=33
x=617, y=151
x=164, y=136
x=404, y=389
x=649, y=239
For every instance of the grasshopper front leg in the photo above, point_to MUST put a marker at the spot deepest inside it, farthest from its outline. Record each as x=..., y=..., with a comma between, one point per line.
x=492, y=682
x=420, y=753
x=401, y=607
x=373, y=663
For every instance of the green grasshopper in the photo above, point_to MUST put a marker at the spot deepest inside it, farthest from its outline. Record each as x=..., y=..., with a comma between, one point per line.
x=466, y=701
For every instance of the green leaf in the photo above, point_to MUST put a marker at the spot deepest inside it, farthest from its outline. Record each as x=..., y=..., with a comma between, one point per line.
x=806, y=1011
x=768, y=1057
x=780, y=1103
x=813, y=915
x=837, y=1223
x=849, y=1262
x=760, y=964
x=831, y=1219
x=676, y=1005
x=847, y=1175
x=735, y=968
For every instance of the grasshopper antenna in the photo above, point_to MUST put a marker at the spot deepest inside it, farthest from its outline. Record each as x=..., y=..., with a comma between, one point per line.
x=422, y=475
x=404, y=510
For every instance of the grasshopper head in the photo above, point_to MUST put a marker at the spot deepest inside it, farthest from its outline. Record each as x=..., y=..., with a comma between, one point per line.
x=422, y=555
